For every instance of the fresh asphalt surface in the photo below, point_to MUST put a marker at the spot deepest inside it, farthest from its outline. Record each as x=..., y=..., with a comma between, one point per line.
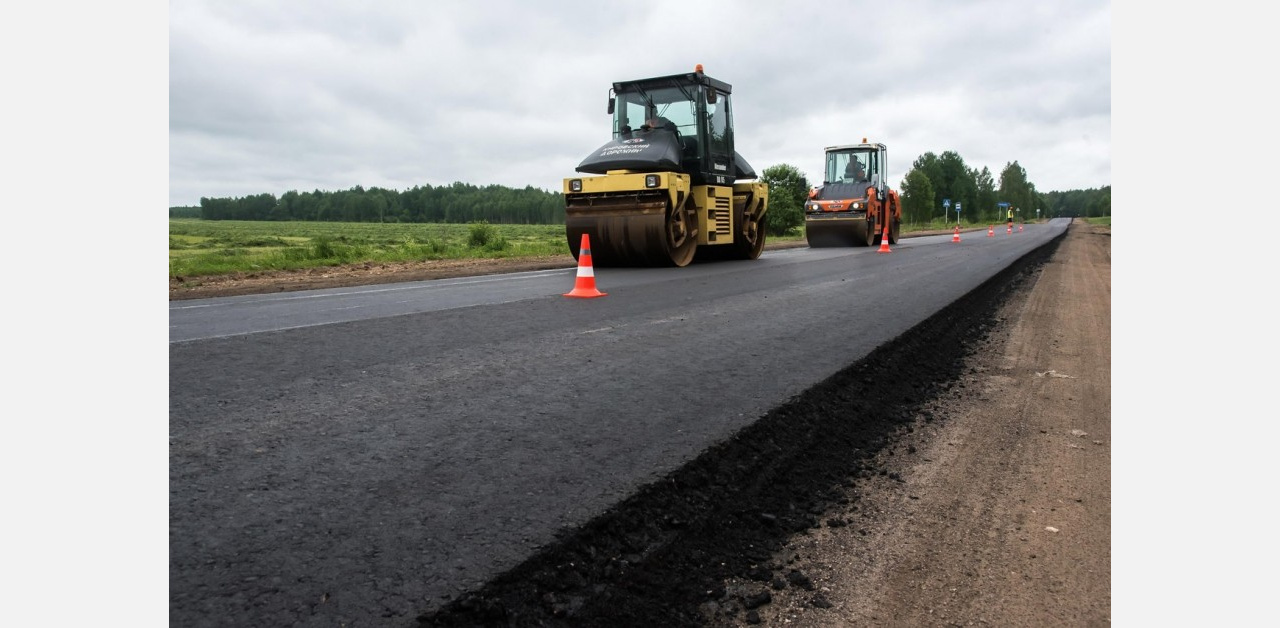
x=354, y=456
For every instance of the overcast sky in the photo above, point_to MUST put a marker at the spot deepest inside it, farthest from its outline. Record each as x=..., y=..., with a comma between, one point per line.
x=272, y=96
x=292, y=95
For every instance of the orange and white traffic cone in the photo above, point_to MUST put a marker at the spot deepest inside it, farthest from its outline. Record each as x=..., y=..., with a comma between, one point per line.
x=884, y=240
x=956, y=237
x=991, y=231
x=1010, y=231
x=585, y=285
x=1019, y=227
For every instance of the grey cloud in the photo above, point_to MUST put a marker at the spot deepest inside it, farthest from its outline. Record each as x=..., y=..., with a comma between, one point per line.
x=267, y=98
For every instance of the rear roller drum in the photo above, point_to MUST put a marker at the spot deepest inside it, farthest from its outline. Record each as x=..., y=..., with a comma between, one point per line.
x=748, y=244
x=681, y=240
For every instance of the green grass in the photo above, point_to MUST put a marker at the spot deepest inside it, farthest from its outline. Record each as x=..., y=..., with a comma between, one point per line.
x=215, y=247
x=199, y=248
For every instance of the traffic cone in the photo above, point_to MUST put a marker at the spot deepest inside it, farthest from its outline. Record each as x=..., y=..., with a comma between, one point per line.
x=1019, y=227
x=956, y=237
x=991, y=231
x=884, y=241
x=585, y=285
x=1010, y=232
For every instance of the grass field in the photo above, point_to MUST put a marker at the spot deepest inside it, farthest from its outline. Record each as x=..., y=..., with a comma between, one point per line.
x=199, y=247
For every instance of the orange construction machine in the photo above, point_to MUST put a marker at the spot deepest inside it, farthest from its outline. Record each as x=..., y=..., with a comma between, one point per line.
x=854, y=206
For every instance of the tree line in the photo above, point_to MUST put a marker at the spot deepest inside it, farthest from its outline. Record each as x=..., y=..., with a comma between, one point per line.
x=984, y=199
x=931, y=179
x=456, y=203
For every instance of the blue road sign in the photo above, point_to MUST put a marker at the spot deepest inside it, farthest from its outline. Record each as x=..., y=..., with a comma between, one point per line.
x=957, y=207
x=946, y=202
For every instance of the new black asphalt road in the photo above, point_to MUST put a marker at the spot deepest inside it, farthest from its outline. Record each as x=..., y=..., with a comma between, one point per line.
x=360, y=456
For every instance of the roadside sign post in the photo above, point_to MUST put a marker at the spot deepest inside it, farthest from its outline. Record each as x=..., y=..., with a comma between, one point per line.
x=946, y=208
x=957, y=213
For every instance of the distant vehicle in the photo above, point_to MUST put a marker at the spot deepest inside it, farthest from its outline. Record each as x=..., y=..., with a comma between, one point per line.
x=854, y=203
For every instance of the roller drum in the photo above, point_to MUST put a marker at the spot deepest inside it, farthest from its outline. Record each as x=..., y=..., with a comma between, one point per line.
x=837, y=232
x=632, y=229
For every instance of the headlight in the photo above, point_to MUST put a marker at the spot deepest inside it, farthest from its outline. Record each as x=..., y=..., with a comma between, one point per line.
x=652, y=180
x=575, y=185
x=855, y=206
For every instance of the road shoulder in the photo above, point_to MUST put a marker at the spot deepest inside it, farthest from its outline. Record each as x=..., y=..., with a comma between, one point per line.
x=999, y=514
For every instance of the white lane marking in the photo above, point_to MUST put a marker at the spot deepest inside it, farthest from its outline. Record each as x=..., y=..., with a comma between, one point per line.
x=297, y=297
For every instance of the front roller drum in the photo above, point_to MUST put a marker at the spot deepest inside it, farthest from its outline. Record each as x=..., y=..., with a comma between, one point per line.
x=633, y=231
x=838, y=232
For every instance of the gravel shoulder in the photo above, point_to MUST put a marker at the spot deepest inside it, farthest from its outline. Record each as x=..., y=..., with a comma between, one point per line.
x=1002, y=515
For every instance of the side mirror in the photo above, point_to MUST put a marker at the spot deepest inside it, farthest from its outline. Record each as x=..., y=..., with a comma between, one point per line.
x=711, y=96
x=611, y=99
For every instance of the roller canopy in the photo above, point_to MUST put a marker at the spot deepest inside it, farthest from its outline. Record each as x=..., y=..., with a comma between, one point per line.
x=656, y=150
x=742, y=169
x=842, y=191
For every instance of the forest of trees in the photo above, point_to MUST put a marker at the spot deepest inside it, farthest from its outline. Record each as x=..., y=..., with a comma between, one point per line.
x=457, y=203
x=931, y=179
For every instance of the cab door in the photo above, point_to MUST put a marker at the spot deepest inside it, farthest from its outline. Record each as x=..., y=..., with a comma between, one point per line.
x=719, y=139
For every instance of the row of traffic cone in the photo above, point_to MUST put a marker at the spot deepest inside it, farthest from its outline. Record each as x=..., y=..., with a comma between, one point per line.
x=991, y=231
x=585, y=285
